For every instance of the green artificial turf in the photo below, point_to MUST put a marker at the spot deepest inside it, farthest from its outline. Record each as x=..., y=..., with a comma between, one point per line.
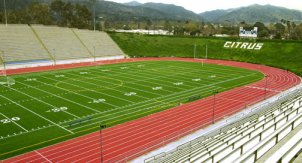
x=44, y=108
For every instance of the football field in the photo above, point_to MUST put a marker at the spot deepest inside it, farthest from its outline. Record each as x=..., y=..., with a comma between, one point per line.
x=48, y=107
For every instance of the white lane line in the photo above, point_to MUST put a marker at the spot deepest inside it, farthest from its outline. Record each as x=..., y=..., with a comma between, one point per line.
x=263, y=88
x=43, y=156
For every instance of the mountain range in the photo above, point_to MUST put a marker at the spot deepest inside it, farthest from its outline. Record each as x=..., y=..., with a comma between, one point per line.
x=253, y=13
x=158, y=11
x=250, y=14
x=152, y=11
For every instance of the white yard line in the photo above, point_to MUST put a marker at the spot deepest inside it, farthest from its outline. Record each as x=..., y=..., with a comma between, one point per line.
x=41, y=100
x=156, y=105
x=22, y=133
x=61, y=97
x=152, y=99
x=113, y=88
x=88, y=89
x=140, y=106
x=73, y=92
x=155, y=78
x=36, y=113
x=134, y=77
x=14, y=122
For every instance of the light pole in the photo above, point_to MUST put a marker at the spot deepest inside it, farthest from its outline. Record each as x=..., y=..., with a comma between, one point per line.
x=93, y=7
x=102, y=23
x=194, y=50
x=101, y=143
x=2, y=61
x=94, y=58
x=5, y=14
x=214, y=103
x=206, y=51
x=54, y=56
x=265, y=89
x=4, y=66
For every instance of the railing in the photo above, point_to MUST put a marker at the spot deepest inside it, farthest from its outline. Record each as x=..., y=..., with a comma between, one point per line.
x=259, y=150
x=255, y=113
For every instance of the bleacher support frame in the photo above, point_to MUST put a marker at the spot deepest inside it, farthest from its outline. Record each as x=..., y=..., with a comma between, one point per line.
x=43, y=45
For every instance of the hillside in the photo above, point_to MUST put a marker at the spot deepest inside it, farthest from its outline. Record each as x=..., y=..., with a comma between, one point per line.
x=132, y=3
x=287, y=57
x=213, y=15
x=253, y=13
x=158, y=11
x=134, y=10
x=177, y=11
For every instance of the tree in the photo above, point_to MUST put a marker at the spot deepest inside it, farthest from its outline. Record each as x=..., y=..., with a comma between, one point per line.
x=263, y=30
x=280, y=29
x=38, y=14
x=191, y=27
x=299, y=31
x=57, y=8
x=82, y=17
x=149, y=24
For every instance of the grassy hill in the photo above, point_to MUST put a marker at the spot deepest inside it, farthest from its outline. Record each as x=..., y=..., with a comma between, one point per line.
x=282, y=54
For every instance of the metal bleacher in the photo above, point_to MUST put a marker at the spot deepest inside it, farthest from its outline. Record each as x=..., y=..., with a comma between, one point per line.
x=98, y=43
x=18, y=43
x=243, y=141
x=61, y=42
x=34, y=43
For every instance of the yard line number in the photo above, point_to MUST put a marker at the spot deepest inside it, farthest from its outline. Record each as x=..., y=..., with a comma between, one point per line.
x=60, y=109
x=97, y=101
x=9, y=120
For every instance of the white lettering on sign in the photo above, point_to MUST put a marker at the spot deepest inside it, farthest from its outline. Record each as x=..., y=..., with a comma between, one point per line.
x=243, y=45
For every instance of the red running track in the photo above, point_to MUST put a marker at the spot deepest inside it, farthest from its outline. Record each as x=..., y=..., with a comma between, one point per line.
x=132, y=139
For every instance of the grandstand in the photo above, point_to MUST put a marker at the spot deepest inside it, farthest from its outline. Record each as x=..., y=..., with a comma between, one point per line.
x=247, y=140
x=36, y=43
x=98, y=43
x=19, y=43
x=61, y=42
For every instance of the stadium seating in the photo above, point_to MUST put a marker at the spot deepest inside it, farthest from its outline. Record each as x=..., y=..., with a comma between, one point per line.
x=265, y=129
x=39, y=42
x=61, y=42
x=99, y=44
x=19, y=43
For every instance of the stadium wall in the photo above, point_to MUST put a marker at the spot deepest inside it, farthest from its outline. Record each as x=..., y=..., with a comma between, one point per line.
x=32, y=64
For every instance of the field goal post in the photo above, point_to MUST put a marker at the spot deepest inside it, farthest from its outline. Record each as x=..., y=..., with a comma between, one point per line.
x=4, y=79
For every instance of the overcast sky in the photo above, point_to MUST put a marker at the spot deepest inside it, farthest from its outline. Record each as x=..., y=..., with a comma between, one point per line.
x=199, y=6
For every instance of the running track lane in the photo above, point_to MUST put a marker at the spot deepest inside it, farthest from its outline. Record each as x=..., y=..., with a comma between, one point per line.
x=132, y=139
